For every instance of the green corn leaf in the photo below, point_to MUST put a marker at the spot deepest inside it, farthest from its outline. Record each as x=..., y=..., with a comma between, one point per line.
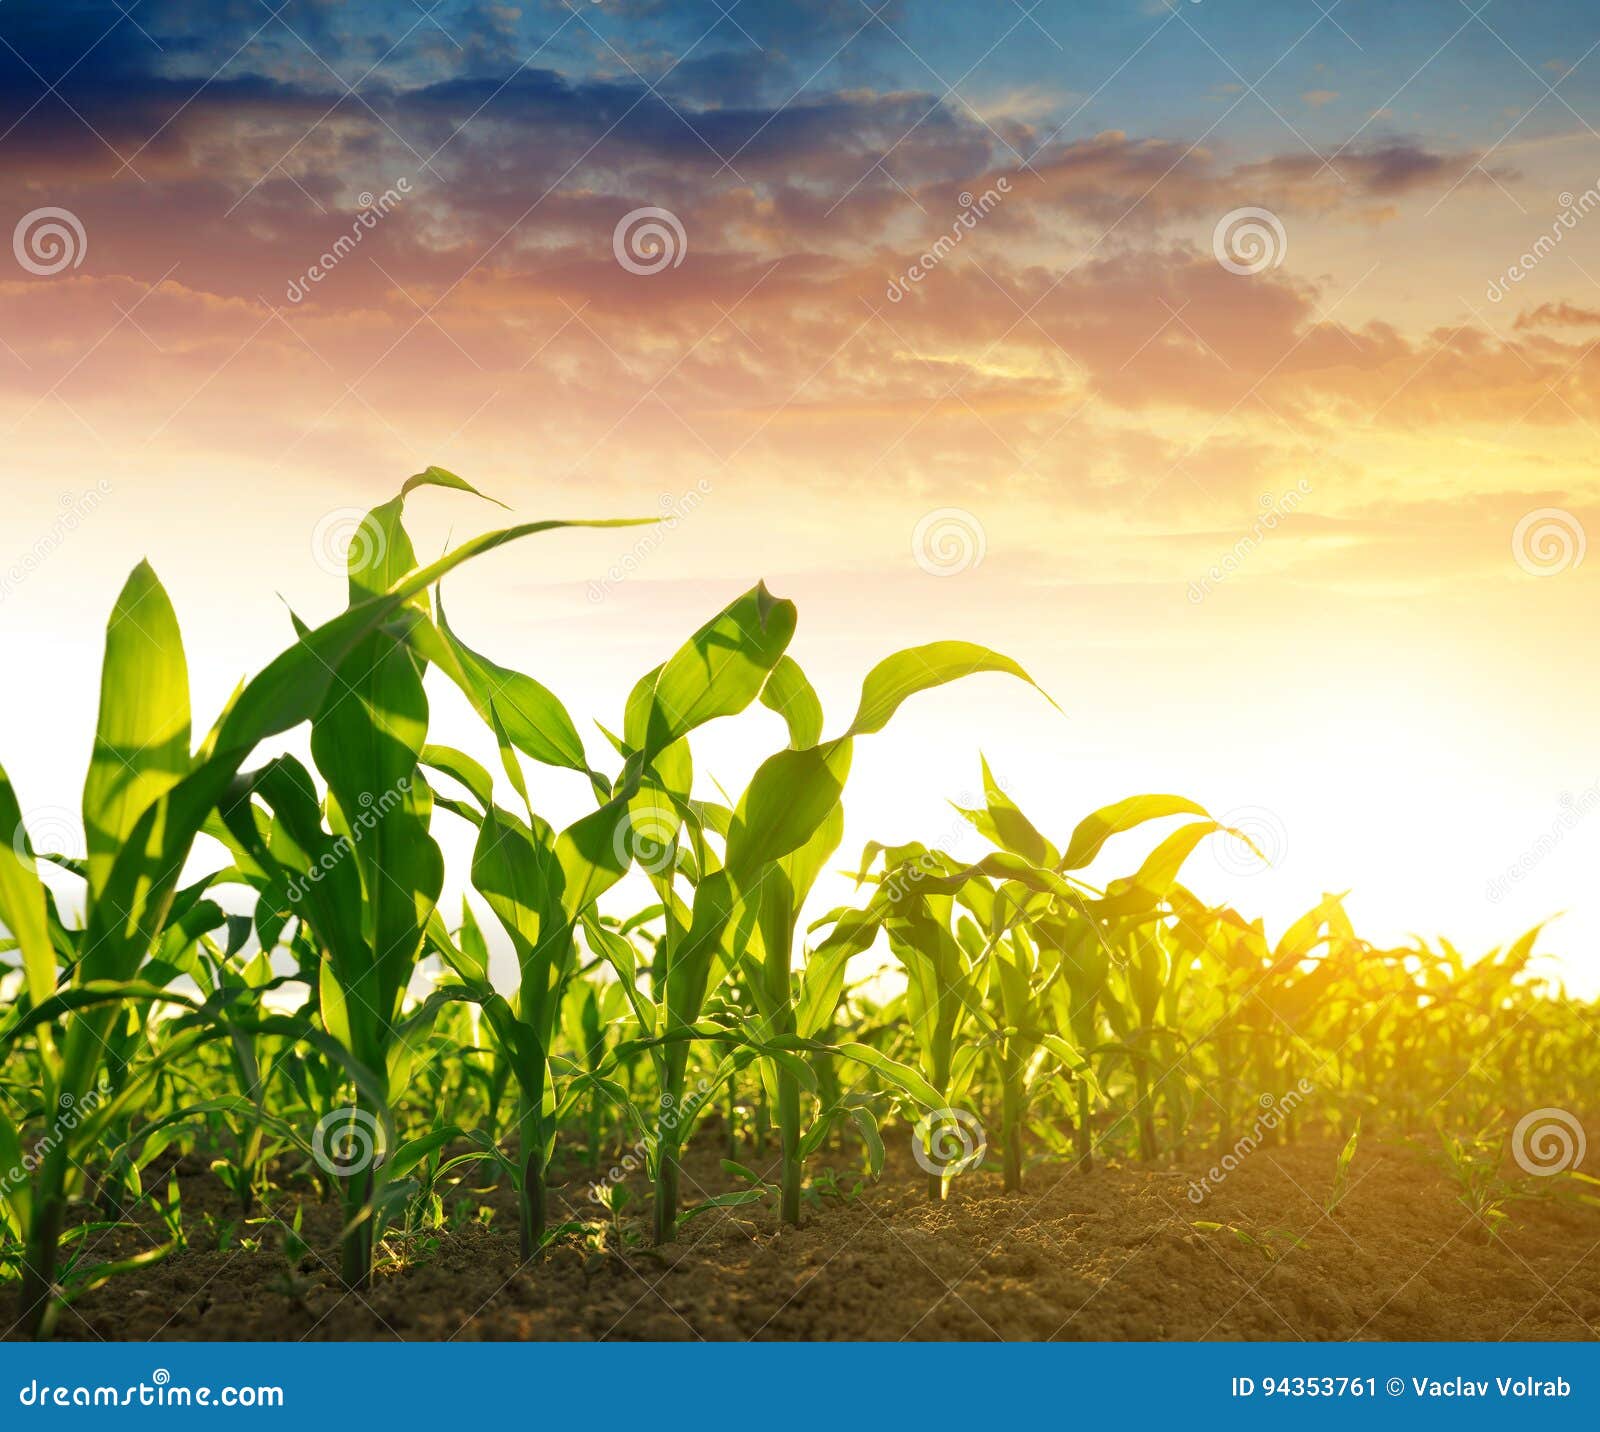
x=594, y=851
x=413, y=1152
x=1159, y=873
x=314, y=866
x=619, y=953
x=1094, y=830
x=722, y=1200
x=867, y=1126
x=432, y=476
x=367, y=741
x=789, y=694
x=141, y=744
x=292, y=688
x=18, y=1194
x=535, y=721
x=461, y=768
x=1016, y=832
x=461, y=956
x=922, y=668
x=787, y=800
x=23, y=907
x=288, y=692
x=821, y=985
x=719, y=671
x=898, y=1075
x=331, y=1002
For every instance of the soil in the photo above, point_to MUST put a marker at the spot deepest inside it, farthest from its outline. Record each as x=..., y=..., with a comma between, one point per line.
x=1118, y=1252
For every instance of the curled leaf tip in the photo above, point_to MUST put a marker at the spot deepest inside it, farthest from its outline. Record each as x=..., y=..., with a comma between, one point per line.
x=435, y=476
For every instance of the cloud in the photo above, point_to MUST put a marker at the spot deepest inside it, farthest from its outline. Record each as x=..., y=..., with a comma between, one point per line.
x=1077, y=347
x=1557, y=315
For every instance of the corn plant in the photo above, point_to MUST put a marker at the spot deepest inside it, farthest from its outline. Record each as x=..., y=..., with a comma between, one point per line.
x=1079, y=1015
x=146, y=798
x=778, y=835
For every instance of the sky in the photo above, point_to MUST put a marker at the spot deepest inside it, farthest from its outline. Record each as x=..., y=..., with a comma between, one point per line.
x=1229, y=366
